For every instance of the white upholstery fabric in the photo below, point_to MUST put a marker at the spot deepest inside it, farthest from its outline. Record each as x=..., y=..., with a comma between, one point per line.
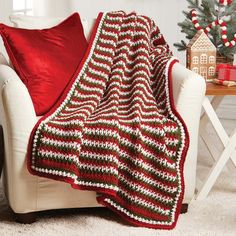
x=3, y=60
x=27, y=193
x=32, y=22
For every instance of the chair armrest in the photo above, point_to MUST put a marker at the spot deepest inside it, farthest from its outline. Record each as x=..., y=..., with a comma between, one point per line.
x=185, y=80
x=15, y=101
x=188, y=91
x=17, y=117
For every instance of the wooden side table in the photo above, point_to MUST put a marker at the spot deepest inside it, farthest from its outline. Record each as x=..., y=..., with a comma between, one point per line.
x=229, y=143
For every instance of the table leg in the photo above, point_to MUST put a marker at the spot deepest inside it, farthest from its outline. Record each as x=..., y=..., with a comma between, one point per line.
x=218, y=167
x=205, y=136
x=210, y=112
x=210, y=144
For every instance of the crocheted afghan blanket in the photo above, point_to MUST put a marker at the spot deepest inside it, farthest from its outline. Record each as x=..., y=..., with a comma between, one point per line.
x=115, y=129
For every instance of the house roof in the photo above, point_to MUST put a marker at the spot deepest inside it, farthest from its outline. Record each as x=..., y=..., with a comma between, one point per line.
x=201, y=42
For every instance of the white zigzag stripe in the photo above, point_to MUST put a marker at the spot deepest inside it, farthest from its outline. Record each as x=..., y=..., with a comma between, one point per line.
x=65, y=144
x=81, y=115
x=107, y=41
x=98, y=73
x=61, y=132
x=137, y=58
x=78, y=94
x=60, y=156
x=104, y=169
x=98, y=185
x=109, y=158
x=103, y=57
x=146, y=191
x=105, y=32
x=143, y=203
x=123, y=110
x=74, y=109
x=66, y=123
x=98, y=144
x=101, y=65
x=76, y=103
x=89, y=89
x=83, y=109
x=113, y=26
x=131, y=215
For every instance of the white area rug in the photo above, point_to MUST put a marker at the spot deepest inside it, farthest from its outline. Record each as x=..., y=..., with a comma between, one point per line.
x=215, y=215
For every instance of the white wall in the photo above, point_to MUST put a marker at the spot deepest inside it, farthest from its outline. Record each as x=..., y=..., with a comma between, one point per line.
x=167, y=13
x=52, y=7
x=5, y=10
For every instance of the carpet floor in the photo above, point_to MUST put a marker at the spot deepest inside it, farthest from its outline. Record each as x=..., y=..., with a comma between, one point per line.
x=215, y=215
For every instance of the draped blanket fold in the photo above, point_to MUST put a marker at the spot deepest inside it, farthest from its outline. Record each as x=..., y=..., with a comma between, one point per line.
x=115, y=129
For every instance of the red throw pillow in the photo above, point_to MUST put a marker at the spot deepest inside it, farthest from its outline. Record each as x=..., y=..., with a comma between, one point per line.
x=47, y=59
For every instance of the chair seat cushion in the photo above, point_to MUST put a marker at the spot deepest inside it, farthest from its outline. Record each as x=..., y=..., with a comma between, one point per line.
x=46, y=59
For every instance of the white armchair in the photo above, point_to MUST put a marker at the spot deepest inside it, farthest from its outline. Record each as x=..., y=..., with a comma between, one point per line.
x=26, y=193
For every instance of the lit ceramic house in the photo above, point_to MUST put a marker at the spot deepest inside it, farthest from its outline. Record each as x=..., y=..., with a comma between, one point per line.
x=201, y=56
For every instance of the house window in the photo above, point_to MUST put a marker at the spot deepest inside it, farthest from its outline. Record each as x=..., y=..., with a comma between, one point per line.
x=23, y=7
x=195, y=60
x=195, y=69
x=211, y=59
x=211, y=71
x=203, y=59
x=203, y=71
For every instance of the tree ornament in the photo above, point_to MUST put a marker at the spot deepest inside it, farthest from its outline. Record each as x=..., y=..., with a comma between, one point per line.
x=225, y=2
x=220, y=22
x=195, y=19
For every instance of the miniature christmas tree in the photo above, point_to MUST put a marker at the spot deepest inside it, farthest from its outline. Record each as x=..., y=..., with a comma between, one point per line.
x=217, y=18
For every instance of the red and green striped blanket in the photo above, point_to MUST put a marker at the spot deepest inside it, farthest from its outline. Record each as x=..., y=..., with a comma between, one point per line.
x=115, y=129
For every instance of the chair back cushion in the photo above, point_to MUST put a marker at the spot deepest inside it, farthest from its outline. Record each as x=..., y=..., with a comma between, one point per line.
x=43, y=22
x=46, y=59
